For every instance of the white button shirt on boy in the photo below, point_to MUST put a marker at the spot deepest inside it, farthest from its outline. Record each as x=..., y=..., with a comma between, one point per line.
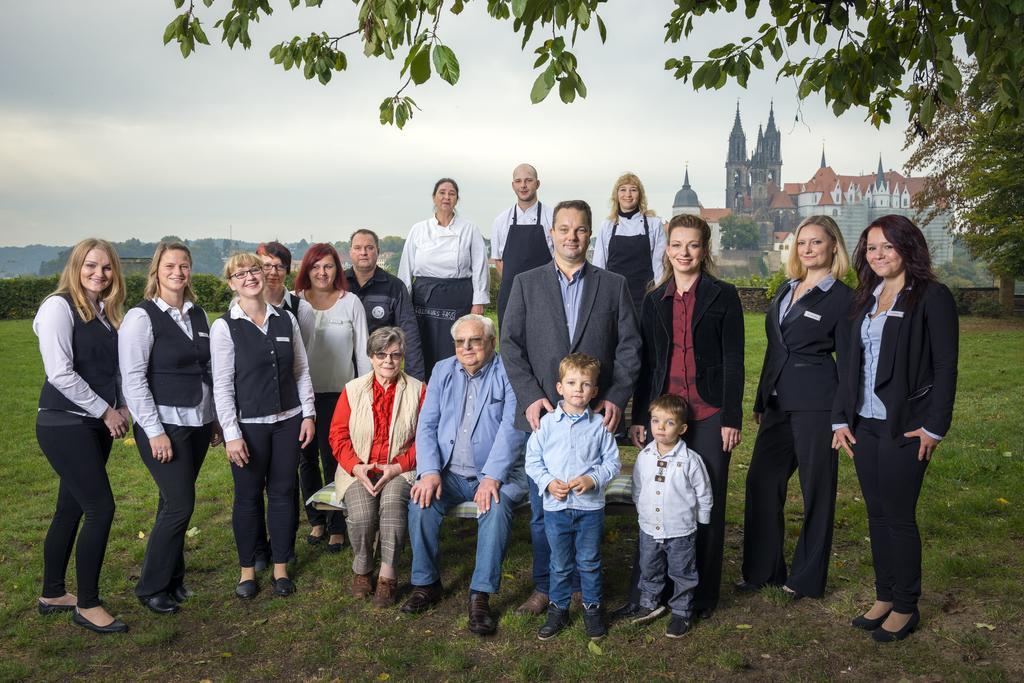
x=671, y=500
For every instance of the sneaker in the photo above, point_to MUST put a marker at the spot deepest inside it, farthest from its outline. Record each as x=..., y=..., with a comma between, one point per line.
x=593, y=622
x=678, y=626
x=558, y=619
x=627, y=611
x=645, y=615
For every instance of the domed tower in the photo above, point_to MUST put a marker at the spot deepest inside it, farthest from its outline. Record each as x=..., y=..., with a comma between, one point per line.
x=686, y=200
x=737, y=167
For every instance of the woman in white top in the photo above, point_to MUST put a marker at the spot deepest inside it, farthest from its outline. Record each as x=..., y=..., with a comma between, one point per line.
x=264, y=400
x=164, y=354
x=80, y=413
x=336, y=347
x=631, y=242
x=444, y=265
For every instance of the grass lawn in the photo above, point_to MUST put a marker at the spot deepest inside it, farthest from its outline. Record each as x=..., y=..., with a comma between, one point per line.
x=971, y=515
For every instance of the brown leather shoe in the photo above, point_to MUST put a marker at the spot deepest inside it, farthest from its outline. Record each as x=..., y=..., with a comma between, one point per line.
x=536, y=604
x=384, y=596
x=362, y=585
x=422, y=597
x=481, y=621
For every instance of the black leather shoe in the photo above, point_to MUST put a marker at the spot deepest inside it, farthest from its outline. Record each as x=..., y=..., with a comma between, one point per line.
x=181, y=593
x=481, y=621
x=882, y=636
x=335, y=547
x=161, y=603
x=422, y=598
x=46, y=608
x=283, y=586
x=747, y=587
x=247, y=590
x=116, y=626
x=593, y=622
x=705, y=613
x=558, y=619
x=862, y=622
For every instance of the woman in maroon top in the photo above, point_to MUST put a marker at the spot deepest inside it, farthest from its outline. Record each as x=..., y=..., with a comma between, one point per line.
x=691, y=324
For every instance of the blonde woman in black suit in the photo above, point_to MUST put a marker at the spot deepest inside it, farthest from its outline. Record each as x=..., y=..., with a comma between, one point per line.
x=807, y=323
x=895, y=404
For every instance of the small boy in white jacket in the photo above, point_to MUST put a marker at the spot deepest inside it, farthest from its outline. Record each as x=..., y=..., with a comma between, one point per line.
x=672, y=495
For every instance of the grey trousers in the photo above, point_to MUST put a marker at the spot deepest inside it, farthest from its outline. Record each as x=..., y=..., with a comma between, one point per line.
x=387, y=512
x=676, y=557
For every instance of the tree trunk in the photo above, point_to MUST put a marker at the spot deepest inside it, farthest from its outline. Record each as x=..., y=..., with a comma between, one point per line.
x=1006, y=285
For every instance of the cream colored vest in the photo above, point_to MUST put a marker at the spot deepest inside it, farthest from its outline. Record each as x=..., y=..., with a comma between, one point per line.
x=402, y=431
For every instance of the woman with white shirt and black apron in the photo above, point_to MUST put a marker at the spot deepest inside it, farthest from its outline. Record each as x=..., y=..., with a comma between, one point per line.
x=80, y=414
x=444, y=265
x=265, y=407
x=164, y=354
x=336, y=350
x=631, y=242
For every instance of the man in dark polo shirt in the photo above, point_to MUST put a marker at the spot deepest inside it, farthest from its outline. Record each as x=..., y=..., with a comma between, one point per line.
x=385, y=297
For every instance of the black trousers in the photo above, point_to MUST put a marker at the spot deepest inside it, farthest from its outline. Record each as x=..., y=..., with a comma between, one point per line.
x=315, y=456
x=77, y=449
x=787, y=442
x=163, y=568
x=890, y=478
x=273, y=459
x=705, y=437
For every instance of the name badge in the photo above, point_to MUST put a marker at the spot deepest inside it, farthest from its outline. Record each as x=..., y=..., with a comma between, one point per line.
x=896, y=314
x=204, y=334
x=812, y=315
x=283, y=339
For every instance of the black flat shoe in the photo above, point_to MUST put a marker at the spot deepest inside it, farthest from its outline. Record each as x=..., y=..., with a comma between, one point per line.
x=47, y=609
x=705, y=613
x=863, y=623
x=247, y=590
x=883, y=636
x=335, y=547
x=314, y=540
x=181, y=593
x=746, y=587
x=283, y=586
x=116, y=626
x=160, y=603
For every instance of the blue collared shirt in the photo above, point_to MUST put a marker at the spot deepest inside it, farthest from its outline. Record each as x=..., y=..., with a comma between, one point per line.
x=787, y=300
x=565, y=448
x=572, y=294
x=462, y=455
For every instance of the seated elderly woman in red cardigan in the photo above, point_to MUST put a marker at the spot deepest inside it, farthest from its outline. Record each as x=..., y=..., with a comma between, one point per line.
x=373, y=437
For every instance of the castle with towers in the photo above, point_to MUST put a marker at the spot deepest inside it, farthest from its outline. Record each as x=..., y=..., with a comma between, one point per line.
x=754, y=187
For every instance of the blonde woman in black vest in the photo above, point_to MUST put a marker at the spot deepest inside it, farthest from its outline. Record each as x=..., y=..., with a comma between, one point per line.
x=80, y=413
x=373, y=437
x=264, y=401
x=164, y=353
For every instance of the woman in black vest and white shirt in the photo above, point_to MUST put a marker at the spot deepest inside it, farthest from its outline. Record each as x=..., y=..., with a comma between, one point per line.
x=164, y=353
x=264, y=402
x=80, y=414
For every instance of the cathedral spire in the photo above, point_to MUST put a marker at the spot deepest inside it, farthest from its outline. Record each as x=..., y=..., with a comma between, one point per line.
x=771, y=117
x=686, y=177
x=880, y=174
x=823, y=164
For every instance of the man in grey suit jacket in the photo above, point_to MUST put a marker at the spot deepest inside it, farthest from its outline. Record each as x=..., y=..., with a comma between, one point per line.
x=569, y=306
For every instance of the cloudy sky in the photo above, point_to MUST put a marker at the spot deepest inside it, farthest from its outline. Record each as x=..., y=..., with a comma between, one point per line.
x=104, y=131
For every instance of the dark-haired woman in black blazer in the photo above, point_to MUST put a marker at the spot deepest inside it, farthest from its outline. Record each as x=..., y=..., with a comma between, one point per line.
x=808, y=321
x=896, y=392
x=691, y=324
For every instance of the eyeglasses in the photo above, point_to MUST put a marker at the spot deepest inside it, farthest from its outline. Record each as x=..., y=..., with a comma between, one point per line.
x=272, y=267
x=242, y=274
x=382, y=356
x=475, y=342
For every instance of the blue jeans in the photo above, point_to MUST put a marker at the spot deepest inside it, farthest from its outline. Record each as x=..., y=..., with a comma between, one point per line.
x=676, y=557
x=493, y=530
x=574, y=537
x=541, y=549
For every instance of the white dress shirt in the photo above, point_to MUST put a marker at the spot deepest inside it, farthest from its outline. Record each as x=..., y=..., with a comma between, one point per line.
x=503, y=221
x=456, y=251
x=134, y=346
x=222, y=352
x=338, y=335
x=54, y=324
x=630, y=227
x=673, y=507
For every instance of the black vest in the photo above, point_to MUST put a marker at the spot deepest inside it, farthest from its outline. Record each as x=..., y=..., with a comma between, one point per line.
x=264, y=378
x=94, y=349
x=178, y=366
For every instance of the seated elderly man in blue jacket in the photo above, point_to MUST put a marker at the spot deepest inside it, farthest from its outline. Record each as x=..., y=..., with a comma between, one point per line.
x=467, y=448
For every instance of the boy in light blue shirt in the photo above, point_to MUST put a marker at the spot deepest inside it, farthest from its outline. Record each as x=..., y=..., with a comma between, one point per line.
x=572, y=458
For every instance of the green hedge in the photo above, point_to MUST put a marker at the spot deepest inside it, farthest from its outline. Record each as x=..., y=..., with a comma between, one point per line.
x=21, y=296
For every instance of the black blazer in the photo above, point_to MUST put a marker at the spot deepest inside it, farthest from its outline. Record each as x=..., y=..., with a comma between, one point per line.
x=916, y=377
x=798, y=361
x=717, y=348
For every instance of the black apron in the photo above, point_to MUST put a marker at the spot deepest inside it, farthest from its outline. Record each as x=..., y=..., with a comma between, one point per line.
x=526, y=248
x=630, y=257
x=439, y=302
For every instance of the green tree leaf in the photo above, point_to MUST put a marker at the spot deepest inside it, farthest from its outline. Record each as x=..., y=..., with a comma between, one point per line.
x=420, y=67
x=446, y=64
